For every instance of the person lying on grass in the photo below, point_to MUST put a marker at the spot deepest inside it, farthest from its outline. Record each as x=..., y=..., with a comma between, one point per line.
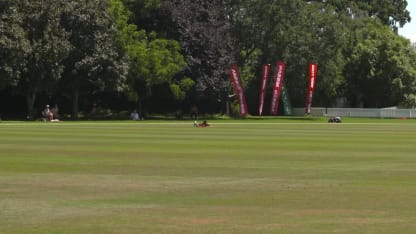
x=202, y=125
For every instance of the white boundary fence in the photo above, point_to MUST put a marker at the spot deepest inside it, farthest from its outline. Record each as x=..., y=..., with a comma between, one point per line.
x=358, y=112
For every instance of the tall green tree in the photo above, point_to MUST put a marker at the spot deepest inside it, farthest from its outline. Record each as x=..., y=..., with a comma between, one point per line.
x=153, y=60
x=205, y=35
x=297, y=33
x=149, y=16
x=14, y=46
x=381, y=70
x=47, y=46
x=392, y=13
x=95, y=62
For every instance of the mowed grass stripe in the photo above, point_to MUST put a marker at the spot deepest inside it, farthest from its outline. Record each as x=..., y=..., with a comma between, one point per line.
x=231, y=178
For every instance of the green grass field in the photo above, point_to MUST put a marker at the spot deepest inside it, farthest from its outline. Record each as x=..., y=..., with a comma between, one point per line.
x=247, y=176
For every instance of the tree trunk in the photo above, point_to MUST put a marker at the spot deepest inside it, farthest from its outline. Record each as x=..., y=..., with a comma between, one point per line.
x=227, y=108
x=140, y=107
x=75, y=102
x=30, y=102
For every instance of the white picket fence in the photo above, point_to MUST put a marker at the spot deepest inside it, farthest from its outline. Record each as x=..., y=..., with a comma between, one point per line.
x=358, y=112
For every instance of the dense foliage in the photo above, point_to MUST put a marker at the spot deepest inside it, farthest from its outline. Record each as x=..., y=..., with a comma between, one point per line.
x=162, y=56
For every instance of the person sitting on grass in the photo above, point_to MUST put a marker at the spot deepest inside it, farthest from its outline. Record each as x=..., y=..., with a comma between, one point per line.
x=55, y=112
x=135, y=115
x=47, y=114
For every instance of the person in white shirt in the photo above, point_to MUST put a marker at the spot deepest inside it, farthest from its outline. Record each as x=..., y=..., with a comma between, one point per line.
x=134, y=115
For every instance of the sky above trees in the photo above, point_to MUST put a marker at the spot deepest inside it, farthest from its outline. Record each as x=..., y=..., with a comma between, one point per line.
x=409, y=29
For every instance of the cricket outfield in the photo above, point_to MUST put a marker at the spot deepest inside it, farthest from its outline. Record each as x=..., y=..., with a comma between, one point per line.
x=247, y=176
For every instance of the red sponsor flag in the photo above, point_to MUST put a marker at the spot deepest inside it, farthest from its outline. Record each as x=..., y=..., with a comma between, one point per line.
x=313, y=73
x=265, y=73
x=279, y=76
x=238, y=89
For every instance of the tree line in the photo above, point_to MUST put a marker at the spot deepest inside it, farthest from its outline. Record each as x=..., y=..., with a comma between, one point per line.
x=161, y=56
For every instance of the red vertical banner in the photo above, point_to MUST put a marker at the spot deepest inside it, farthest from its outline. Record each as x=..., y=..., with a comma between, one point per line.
x=238, y=89
x=265, y=73
x=279, y=76
x=313, y=73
